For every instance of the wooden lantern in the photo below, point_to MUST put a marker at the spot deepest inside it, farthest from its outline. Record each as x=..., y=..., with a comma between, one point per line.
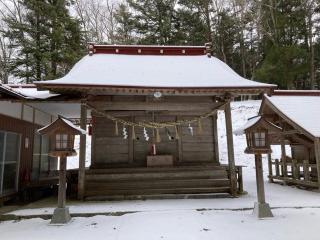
x=257, y=131
x=61, y=134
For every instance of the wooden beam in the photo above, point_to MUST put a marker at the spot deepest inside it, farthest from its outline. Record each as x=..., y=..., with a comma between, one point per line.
x=283, y=156
x=155, y=106
x=317, y=155
x=270, y=167
x=215, y=137
x=259, y=179
x=231, y=161
x=82, y=154
x=62, y=182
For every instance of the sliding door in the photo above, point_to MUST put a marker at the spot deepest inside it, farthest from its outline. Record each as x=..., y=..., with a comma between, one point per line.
x=9, y=161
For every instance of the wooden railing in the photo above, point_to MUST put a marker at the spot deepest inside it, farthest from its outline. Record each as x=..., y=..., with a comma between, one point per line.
x=300, y=173
x=239, y=179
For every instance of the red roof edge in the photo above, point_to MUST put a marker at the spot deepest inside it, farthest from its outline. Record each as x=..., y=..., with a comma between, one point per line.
x=148, y=50
x=296, y=93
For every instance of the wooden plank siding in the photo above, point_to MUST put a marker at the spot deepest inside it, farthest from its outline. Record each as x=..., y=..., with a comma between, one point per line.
x=111, y=150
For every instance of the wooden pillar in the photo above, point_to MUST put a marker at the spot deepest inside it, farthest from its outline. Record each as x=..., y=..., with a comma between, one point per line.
x=270, y=167
x=62, y=182
x=283, y=156
x=317, y=155
x=82, y=153
x=215, y=137
x=231, y=161
x=259, y=178
x=306, y=173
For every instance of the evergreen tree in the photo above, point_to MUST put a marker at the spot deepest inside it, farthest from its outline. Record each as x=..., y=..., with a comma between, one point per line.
x=125, y=25
x=283, y=44
x=47, y=40
x=155, y=21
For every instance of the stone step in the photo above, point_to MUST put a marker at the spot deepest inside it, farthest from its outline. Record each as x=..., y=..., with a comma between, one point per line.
x=128, y=192
x=159, y=196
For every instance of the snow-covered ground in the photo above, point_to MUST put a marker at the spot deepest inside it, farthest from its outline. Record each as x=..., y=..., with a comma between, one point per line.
x=297, y=212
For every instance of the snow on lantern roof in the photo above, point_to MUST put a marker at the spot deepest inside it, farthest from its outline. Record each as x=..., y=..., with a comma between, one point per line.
x=303, y=111
x=152, y=67
x=61, y=122
x=254, y=121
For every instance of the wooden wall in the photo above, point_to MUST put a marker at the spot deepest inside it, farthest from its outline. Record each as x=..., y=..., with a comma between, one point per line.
x=26, y=130
x=111, y=150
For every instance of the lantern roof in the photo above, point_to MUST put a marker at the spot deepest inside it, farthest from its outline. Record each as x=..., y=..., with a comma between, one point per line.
x=61, y=124
x=255, y=122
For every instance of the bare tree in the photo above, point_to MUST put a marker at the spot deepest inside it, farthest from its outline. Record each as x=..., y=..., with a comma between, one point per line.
x=13, y=10
x=97, y=19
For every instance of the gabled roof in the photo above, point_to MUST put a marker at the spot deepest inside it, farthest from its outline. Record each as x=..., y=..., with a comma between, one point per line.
x=300, y=111
x=152, y=67
x=61, y=123
x=252, y=122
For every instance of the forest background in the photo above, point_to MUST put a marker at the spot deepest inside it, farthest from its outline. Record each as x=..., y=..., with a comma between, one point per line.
x=273, y=41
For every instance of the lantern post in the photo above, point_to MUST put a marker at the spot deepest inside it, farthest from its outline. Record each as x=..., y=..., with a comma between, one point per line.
x=258, y=134
x=61, y=134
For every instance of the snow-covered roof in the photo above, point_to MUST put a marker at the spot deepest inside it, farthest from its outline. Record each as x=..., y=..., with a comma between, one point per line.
x=65, y=121
x=302, y=110
x=154, y=71
x=82, y=131
x=251, y=121
x=26, y=91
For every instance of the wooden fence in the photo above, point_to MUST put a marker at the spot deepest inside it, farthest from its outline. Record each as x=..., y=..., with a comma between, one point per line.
x=299, y=173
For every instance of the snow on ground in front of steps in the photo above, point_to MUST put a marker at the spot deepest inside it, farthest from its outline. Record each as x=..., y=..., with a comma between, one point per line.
x=297, y=211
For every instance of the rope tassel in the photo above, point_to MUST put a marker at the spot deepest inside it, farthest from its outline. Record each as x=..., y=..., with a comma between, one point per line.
x=158, y=138
x=177, y=132
x=133, y=133
x=200, y=129
x=116, y=129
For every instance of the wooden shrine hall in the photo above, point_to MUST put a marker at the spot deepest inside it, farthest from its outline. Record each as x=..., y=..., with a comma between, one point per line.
x=152, y=115
x=296, y=113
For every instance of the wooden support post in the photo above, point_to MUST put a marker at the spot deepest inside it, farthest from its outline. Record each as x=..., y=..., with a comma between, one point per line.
x=231, y=161
x=306, y=173
x=259, y=178
x=240, y=180
x=270, y=167
x=294, y=169
x=283, y=157
x=261, y=208
x=62, y=182
x=277, y=168
x=82, y=154
x=317, y=155
x=215, y=137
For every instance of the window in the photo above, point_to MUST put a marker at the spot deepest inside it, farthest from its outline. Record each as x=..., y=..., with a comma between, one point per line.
x=42, y=164
x=260, y=139
x=61, y=141
x=9, y=159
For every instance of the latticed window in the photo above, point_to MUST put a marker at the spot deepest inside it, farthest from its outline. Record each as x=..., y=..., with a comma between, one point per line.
x=260, y=139
x=61, y=141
